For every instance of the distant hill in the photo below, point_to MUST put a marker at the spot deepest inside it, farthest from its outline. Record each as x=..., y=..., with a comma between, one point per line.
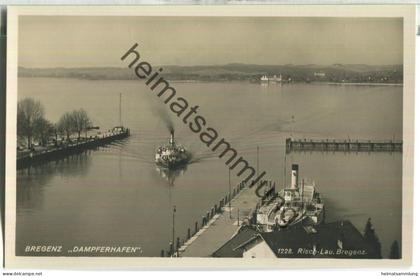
x=236, y=71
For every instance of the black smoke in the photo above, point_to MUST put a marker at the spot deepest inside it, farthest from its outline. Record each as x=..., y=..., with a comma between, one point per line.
x=164, y=116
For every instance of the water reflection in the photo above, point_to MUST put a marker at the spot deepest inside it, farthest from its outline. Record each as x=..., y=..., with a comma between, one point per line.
x=170, y=175
x=34, y=179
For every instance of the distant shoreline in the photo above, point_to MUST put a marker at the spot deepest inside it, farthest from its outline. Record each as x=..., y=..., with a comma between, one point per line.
x=365, y=83
x=222, y=80
x=354, y=74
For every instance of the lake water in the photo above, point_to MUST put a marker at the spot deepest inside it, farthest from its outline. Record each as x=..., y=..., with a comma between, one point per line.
x=115, y=196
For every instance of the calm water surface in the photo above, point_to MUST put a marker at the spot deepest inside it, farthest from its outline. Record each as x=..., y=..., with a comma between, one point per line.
x=115, y=196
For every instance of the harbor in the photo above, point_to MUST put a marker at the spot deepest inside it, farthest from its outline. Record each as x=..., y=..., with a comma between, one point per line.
x=143, y=199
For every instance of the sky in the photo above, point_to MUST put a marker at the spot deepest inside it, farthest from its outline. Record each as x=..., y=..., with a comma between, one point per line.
x=100, y=41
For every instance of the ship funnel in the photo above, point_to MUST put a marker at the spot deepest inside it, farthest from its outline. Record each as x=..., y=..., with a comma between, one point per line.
x=172, y=140
x=295, y=176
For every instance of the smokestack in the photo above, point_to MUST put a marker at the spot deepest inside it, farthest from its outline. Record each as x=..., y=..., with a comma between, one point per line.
x=295, y=176
x=172, y=140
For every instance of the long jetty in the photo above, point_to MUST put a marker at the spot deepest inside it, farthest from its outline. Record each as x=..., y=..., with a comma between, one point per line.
x=26, y=159
x=343, y=145
x=218, y=225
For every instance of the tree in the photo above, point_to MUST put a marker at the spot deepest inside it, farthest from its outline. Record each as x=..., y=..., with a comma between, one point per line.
x=81, y=121
x=56, y=132
x=371, y=237
x=29, y=112
x=66, y=125
x=43, y=130
x=395, y=251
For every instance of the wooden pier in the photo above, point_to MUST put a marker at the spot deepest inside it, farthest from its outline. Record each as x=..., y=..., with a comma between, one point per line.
x=343, y=145
x=26, y=159
x=218, y=225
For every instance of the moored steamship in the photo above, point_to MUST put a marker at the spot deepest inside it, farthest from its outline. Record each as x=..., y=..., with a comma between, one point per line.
x=297, y=204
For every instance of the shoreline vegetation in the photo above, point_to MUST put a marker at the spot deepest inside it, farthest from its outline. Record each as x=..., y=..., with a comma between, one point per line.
x=343, y=74
x=39, y=139
x=36, y=133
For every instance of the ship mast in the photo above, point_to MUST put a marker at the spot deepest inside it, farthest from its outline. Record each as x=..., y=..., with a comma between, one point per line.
x=230, y=198
x=120, y=121
x=258, y=160
x=284, y=168
x=301, y=192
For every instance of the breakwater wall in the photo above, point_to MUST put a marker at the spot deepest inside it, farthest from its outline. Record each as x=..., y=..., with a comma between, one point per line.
x=343, y=145
x=37, y=157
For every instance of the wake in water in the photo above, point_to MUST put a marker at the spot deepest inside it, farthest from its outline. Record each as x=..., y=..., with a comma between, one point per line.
x=203, y=156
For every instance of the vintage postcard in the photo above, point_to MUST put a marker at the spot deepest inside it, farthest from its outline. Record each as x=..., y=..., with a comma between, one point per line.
x=209, y=136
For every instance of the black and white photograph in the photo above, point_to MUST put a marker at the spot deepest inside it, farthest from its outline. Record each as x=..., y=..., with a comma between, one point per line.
x=180, y=136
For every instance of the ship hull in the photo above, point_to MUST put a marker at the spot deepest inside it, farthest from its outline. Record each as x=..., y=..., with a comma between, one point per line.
x=172, y=164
